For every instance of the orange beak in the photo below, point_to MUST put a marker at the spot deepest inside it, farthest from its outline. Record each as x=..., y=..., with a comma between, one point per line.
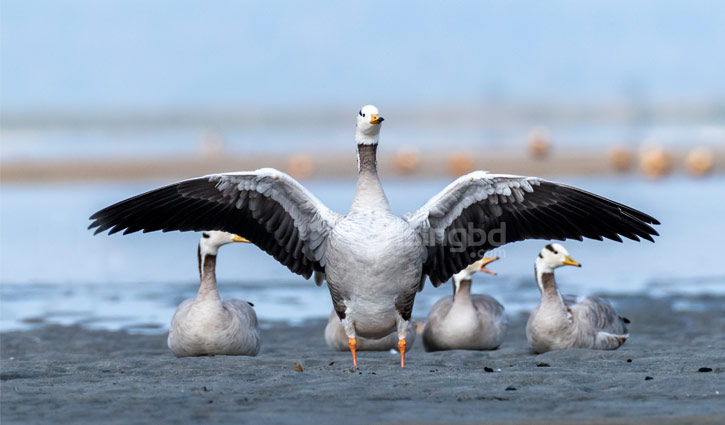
x=488, y=260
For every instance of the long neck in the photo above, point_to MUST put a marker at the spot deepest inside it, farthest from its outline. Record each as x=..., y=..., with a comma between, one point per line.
x=547, y=285
x=207, y=268
x=462, y=291
x=369, y=192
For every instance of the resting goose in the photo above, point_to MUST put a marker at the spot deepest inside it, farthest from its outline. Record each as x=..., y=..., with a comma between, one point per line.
x=374, y=261
x=567, y=321
x=337, y=339
x=206, y=326
x=465, y=321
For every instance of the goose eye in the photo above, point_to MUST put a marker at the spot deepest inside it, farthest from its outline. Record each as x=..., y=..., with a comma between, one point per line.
x=205, y=235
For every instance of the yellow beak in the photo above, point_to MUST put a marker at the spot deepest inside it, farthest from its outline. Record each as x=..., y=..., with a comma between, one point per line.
x=376, y=119
x=240, y=239
x=568, y=261
x=487, y=260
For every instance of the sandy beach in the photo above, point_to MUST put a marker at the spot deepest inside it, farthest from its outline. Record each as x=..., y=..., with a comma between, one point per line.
x=670, y=371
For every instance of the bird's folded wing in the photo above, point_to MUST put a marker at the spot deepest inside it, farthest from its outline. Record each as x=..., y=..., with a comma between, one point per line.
x=268, y=207
x=480, y=211
x=597, y=313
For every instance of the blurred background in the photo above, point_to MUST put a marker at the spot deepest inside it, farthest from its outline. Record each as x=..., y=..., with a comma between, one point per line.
x=100, y=101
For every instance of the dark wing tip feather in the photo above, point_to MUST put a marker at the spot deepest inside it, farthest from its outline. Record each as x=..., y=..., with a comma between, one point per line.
x=197, y=205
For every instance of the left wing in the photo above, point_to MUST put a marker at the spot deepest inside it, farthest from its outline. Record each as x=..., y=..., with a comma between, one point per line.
x=481, y=211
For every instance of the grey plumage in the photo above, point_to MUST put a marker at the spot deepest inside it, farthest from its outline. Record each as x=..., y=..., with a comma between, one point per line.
x=206, y=325
x=374, y=261
x=336, y=338
x=464, y=321
x=568, y=321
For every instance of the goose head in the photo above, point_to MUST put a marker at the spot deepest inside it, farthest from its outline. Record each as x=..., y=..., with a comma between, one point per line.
x=367, y=130
x=552, y=257
x=468, y=272
x=211, y=241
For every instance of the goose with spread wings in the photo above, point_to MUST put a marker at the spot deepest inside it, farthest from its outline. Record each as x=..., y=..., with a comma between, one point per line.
x=375, y=262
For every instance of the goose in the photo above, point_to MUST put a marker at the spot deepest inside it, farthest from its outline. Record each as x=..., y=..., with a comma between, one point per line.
x=374, y=261
x=567, y=321
x=336, y=338
x=464, y=321
x=206, y=326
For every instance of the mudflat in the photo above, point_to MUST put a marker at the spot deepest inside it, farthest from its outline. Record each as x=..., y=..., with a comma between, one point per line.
x=669, y=372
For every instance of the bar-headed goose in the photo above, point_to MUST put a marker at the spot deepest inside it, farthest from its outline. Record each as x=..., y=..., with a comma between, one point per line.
x=374, y=261
x=336, y=337
x=465, y=321
x=206, y=325
x=568, y=321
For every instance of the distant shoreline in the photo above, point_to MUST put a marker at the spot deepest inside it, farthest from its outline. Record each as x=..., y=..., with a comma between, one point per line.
x=331, y=165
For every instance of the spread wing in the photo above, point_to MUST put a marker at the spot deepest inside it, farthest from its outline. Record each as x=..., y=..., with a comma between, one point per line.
x=481, y=211
x=268, y=207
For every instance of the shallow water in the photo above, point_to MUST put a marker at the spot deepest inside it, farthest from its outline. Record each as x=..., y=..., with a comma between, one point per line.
x=54, y=271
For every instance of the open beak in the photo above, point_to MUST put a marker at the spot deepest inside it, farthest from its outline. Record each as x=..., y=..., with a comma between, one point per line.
x=376, y=119
x=488, y=260
x=239, y=239
x=568, y=261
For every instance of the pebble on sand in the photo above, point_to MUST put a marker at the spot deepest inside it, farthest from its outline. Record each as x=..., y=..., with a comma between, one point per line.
x=298, y=367
x=704, y=369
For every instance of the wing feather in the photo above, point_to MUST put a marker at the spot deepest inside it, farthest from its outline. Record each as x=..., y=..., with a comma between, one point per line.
x=266, y=206
x=515, y=208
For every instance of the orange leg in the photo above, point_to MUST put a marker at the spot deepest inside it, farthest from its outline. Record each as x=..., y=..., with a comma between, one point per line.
x=352, y=343
x=401, y=348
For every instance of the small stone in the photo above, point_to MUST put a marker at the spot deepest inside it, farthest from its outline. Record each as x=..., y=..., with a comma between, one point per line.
x=488, y=369
x=331, y=363
x=205, y=388
x=298, y=367
x=629, y=360
x=211, y=401
x=648, y=378
x=510, y=388
x=704, y=369
x=543, y=364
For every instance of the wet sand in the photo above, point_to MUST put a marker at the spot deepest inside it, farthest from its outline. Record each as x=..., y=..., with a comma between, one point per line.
x=72, y=375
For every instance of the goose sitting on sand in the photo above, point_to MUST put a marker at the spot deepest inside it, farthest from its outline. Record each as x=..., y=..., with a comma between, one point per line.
x=336, y=338
x=465, y=321
x=567, y=321
x=206, y=326
x=374, y=261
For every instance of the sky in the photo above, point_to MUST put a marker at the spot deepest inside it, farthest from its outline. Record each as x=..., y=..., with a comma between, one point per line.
x=171, y=54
